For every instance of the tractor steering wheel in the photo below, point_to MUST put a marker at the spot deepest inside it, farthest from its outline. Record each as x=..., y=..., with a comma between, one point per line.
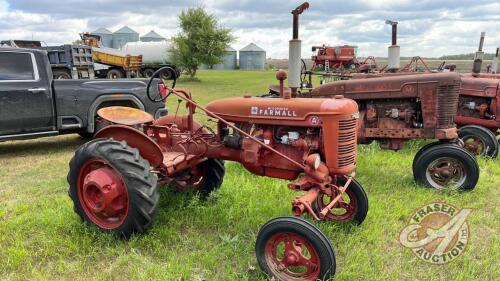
x=159, y=97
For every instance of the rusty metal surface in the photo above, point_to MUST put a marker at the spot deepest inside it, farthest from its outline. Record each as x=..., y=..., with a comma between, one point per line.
x=125, y=115
x=147, y=147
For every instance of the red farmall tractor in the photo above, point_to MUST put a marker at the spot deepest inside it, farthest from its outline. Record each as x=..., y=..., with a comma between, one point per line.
x=114, y=178
x=397, y=108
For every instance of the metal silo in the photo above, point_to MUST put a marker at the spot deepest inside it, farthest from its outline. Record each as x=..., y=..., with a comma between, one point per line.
x=229, y=60
x=124, y=35
x=106, y=37
x=252, y=57
x=152, y=37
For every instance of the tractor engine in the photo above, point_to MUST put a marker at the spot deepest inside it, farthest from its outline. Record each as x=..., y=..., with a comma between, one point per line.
x=294, y=127
x=399, y=107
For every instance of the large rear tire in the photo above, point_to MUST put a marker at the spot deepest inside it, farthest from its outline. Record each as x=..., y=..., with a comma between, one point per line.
x=290, y=248
x=479, y=141
x=112, y=187
x=61, y=74
x=446, y=166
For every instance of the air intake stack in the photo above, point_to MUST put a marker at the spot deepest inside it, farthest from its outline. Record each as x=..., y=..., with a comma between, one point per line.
x=394, y=54
x=295, y=51
x=478, y=57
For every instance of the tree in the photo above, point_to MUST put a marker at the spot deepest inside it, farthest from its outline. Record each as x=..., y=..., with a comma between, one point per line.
x=201, y=41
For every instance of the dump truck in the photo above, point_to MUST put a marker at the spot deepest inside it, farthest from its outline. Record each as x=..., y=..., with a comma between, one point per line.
x=155, y=55
x=67, y=61
x=112, y=63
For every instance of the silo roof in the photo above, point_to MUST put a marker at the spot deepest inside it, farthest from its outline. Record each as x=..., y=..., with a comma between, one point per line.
x=101, y=30
x=126, y=30
x=252, y=48
x=152, y=34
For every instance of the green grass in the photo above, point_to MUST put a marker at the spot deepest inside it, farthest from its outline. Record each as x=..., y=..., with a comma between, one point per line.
x=42, y=238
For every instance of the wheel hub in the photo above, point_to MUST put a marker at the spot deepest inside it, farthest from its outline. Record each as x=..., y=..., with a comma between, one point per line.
x=446, y=171
x=103, y=195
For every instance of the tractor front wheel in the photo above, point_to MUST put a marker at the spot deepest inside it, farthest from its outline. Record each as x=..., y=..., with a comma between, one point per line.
x=446, y=166
x=112, y=187
x=479, y=141
x=290, y=248
x=352, y=206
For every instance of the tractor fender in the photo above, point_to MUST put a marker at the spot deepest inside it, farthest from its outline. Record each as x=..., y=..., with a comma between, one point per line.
x=147, y=147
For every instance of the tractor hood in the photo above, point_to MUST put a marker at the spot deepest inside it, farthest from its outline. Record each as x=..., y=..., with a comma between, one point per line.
x=479, y=86
x=384, y=86
x=278, y=111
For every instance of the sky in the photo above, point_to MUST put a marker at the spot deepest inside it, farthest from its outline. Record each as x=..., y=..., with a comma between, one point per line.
x=428, y=28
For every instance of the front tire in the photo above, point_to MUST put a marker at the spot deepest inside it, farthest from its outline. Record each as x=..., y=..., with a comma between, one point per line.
x=446, y=166
x=290, y=248
x=479, y=141
x=352, y=207
x=115, y=74
x=112, y=187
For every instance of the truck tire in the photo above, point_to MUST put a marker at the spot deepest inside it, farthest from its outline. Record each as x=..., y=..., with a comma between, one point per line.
x=61, y=74
x=112, y=187
x=115, y=74
x=148, y=72
x=166, y=75
x=446, y=166
x=479, y=141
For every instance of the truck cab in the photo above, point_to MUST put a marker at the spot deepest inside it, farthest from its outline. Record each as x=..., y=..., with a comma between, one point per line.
x=33, y=104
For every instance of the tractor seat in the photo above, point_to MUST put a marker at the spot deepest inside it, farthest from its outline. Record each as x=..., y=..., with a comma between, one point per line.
x=176, y=160
x=124, y=115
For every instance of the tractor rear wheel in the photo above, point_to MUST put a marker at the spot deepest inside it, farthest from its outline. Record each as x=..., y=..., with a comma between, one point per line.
x=479, y=141
x=352, y=206
x=204, y=178
x=446, y=166
x=112, y=187
x=290, y=248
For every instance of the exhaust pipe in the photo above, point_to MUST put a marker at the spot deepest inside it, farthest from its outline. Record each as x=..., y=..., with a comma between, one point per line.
x=294, y=52
x=478, y=57
x=394, y=49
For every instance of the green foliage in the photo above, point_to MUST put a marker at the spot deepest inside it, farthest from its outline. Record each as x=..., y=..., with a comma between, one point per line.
x=201, y=41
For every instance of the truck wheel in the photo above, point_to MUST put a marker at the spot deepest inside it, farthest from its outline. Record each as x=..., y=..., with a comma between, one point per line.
x=148, y=72
x=61, y=74
x=112, y=187
x=479, y=141
x=290, y=248
x=115, y=74
x=166, y=75
x=352, y=207
x=446, y=166
x=204, y=178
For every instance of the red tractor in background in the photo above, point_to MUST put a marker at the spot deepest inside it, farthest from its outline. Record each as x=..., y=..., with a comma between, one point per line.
x=311, y=142
x=334, y=58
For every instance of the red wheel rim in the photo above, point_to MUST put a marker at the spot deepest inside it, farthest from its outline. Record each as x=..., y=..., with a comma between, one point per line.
x=290, y=256
x=343, y=210
x=474, y=145
x=103, y=194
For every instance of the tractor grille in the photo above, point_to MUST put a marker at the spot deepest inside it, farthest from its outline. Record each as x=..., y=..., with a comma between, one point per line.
x=447, y=104
x=347, y=142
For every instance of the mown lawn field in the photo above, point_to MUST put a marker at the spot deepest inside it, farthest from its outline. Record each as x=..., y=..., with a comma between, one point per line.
x=41, y=238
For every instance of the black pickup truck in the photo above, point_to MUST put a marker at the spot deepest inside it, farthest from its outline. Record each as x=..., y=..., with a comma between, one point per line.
x=33, y=104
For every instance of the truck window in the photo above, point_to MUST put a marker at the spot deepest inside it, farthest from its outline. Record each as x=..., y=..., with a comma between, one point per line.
x=16, y=66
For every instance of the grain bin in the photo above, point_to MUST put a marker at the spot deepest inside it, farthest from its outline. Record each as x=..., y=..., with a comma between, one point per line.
x=152, y=52
x=106, y=37
x=123, y=36
x=252, y=57
x=229, y=60
x=152, y=37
